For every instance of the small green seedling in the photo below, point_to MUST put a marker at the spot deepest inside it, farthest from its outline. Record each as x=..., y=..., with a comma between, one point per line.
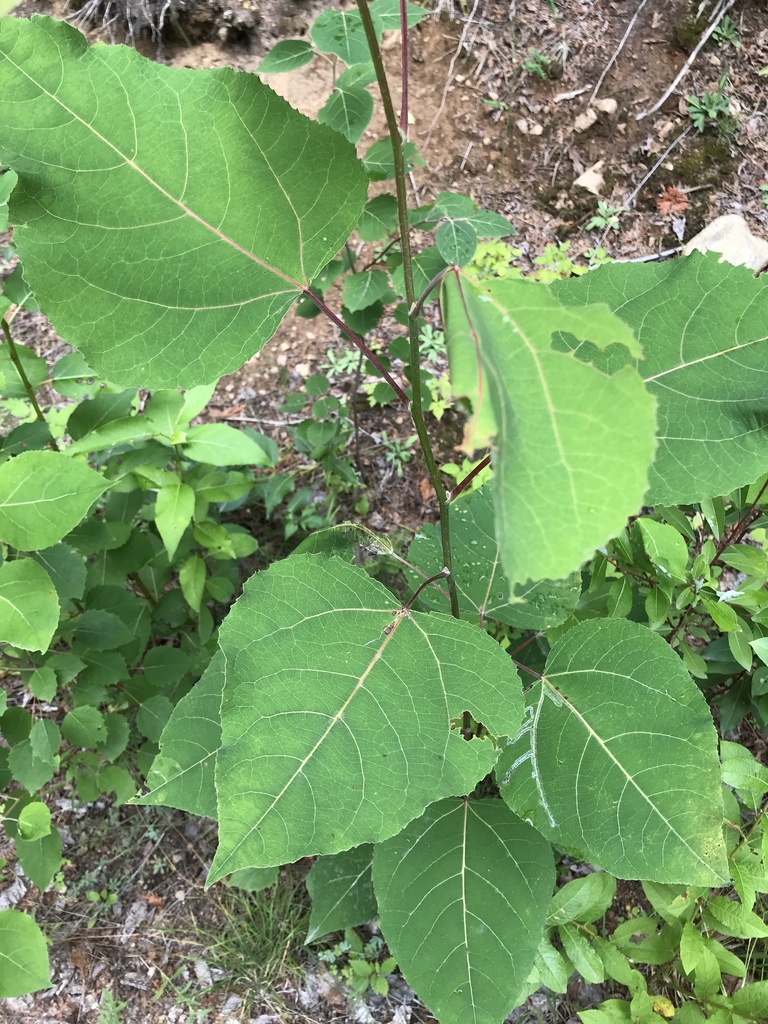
x=606, y=218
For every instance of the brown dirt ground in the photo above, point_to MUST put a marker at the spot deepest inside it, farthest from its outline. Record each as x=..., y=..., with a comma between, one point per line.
x=520, y=157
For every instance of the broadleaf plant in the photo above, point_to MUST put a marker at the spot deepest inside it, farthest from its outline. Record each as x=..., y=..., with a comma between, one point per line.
x=531, y=688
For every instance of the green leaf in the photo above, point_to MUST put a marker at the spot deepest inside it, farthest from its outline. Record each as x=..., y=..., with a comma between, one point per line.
x=378, y=219
x=463, y=894
x=35, y=370
x=153, y=716
x=66, y=568
x=40, y=859
x=182, y=774
x=584, y=958
x=484, y=592
x=373, y=698
x=665, y=548
x=116, y=740
x=253, y=879
x=192, y=581
x=99, y=630
x=342, y=891
x=84, y=727
x=216, y=444
x=488, y=224
x=34, y=821
x=45, y=740
x=44, y=495
x=363, y=289
x=27, y=768
x=23, y=955
x=555, y=420
x=29, y=607
x=43, y=683
x=751, y=1001
x=703, y=330
x=617, y=758
x=184, y=163
x=612, y=1011
x=174, y=509
x=380, y=163
x=287, y=55
x=455, y=205
x=342, y=33
x=724, y=915
x=348, y=111
x=457, y=241
x=583, y=899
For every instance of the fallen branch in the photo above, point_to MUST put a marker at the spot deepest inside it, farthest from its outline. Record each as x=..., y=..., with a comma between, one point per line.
x=616, y=52
x=723, y=10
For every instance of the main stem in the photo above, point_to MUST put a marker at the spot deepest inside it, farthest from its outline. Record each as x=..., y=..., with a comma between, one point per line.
x=417, y=410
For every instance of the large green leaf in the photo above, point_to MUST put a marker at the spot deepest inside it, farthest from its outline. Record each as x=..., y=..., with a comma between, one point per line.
x=483, y=590
x=703, y=326
x=44, y=495
x=182, y=774
x=463, y=894
x=342, y=891
x=166, y=218
x=573, y=444
x=617, y=758
x=29, y=605
x=23, y=955
x=337, y=711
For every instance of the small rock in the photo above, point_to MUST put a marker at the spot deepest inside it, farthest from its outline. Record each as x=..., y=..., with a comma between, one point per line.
x=522, y=125
x=730, y=236
x=607, y=106
x=536, y=129
x=585, y=120
x=592, y=179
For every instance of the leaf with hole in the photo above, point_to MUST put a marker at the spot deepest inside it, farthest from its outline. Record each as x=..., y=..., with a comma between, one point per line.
x=348, y=686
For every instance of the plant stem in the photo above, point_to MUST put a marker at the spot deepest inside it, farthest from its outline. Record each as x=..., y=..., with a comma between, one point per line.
x=417, y=411
x=469, y=477
x=371, y=356
x=15, y=359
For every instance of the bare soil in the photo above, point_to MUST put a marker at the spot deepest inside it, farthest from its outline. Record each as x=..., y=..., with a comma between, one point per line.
x=511, y=140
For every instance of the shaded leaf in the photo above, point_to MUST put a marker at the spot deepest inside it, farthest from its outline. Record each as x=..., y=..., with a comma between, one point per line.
x=29, y=607
x=287, y=55
x=23, y=955
x=342, y=891
x=463, y=894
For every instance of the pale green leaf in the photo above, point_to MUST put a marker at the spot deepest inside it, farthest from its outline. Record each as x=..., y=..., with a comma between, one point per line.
x=217, y=444
x=23, y=955
x=347, y=686
x=174, y=509
x=342, y=891
x=40, y=858
x=665, y=548
x=342, y=33
x=43, y=683
x=573, y=444
x=66, y=568
x=617, y=758
x=725, y=915
x=192, y=581
x=191, y=207
x=153, y=715
x=751, y=1001
x=34, y=821
x=612, y=1011
x=463, y=894
x=44, y=495
x=182, y=774
x=704, y=331
x=483, y=591
x=29, y=606
x=287, y=55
